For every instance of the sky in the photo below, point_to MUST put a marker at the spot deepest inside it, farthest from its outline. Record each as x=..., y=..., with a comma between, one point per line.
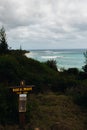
x=44, y=24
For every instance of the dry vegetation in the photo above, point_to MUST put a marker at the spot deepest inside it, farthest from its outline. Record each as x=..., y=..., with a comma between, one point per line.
x=50, y=109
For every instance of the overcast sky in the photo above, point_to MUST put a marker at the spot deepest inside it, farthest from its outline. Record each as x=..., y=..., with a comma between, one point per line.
x=44, y=24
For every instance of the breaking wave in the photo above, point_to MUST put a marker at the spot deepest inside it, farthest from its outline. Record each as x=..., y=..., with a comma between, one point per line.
x=64, y=58
x=51, y=57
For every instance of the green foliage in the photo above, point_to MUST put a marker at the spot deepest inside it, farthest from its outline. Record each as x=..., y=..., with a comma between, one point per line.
x=85, y=66
x=52, y=64
x=85, y=55
x=3, y=42
x=9, y=69
x=15, y=66
x=79, y=93
x=8, y=106
x=74, y=71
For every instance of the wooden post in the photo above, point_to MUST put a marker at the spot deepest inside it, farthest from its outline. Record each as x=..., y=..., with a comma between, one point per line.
x=22, y=119
x=22, y=109
x=22, y=90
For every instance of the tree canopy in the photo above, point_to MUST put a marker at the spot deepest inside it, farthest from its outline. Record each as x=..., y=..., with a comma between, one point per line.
x=85, y=66
x=3, y=42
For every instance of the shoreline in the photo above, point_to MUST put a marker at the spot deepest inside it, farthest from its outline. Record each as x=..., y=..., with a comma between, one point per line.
x=65, y=58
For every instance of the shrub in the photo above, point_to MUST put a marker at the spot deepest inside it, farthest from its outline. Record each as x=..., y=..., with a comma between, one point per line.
x=52, y=64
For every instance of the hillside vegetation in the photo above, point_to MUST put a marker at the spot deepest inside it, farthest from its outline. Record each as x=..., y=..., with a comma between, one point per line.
x=58, y=97
x=58, y=100
x=48, y=110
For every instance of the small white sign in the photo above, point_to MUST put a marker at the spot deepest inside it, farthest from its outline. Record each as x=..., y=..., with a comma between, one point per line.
x=22, y=102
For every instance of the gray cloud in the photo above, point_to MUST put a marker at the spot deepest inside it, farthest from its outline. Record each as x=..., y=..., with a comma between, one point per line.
x=44, y=23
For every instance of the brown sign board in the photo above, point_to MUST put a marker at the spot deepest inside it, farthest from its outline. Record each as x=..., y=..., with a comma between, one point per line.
x=21, y=89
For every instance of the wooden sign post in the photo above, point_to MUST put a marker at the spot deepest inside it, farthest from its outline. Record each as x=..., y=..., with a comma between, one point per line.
x=22, y=91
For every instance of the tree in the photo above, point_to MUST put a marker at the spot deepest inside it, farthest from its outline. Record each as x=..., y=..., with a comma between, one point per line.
x=3, y=42
x=85, y=66
x=52, y=64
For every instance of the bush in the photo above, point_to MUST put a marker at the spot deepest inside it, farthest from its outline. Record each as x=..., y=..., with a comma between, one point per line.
x=8, y=106
x=52, y=64
x=9, y=69
x=79, y=94
x=74, y=71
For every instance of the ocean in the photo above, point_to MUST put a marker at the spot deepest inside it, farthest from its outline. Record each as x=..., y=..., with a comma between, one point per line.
x=65, y=58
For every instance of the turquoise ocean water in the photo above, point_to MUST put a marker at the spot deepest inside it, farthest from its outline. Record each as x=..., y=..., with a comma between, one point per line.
x=67, y=58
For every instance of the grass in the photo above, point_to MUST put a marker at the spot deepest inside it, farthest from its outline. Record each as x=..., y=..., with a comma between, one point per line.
x=50, y=109
x=52, y=112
